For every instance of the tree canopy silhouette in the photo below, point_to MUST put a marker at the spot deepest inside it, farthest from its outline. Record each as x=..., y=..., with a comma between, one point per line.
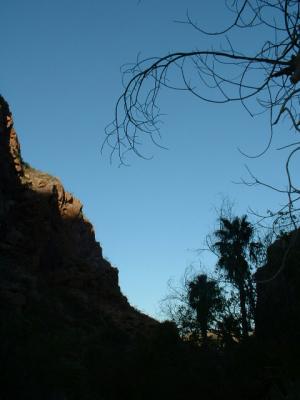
x=205, y=298
x=234, y=245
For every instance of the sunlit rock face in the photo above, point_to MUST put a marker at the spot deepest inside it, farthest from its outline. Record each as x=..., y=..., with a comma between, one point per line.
x=10, y=161
x=48, y=252
x=278, y=292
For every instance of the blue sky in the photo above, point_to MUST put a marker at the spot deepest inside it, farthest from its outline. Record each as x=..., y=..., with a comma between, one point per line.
x=60, y=72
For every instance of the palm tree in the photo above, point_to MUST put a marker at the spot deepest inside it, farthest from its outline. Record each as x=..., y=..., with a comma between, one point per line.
x=205, y=298
x=234, y=246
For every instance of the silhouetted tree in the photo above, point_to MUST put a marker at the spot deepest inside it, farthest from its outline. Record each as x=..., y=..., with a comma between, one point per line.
x=205, y=298
x=234, y=244
x=197, y=305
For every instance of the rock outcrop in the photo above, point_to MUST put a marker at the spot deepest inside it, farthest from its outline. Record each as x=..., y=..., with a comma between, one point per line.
x=60, y=301
x=278, y=292
x=45, y=234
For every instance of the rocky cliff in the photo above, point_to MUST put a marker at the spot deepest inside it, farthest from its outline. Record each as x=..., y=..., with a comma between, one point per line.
x=57, y=292
x=278, y=292
x=48, y=240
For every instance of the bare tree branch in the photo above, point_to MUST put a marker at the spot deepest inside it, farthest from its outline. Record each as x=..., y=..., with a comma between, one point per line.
x=265, y=81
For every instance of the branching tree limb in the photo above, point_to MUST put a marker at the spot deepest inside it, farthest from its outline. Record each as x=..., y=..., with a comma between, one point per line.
x=265, y=81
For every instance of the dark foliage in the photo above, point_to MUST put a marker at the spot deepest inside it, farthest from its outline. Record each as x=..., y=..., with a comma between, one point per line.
x=205, y=298
x=234, y=246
